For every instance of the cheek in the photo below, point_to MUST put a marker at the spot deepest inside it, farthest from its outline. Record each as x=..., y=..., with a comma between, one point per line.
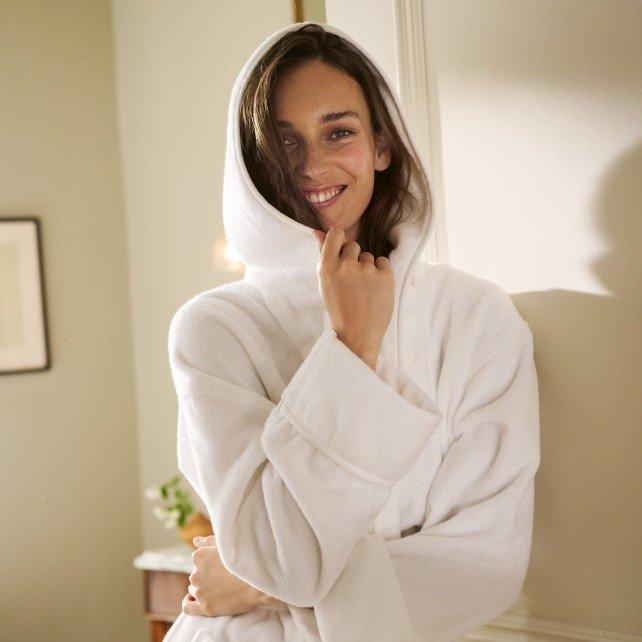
x=357, y=161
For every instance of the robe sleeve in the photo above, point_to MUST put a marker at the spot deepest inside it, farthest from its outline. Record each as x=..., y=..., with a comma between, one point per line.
x=467, y=563
x=289, y=487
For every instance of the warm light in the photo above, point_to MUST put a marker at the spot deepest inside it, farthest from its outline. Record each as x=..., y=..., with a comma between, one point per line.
x=224, y=259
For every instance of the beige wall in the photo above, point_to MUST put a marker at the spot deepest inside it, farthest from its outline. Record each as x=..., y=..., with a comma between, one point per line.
x=540, y=145
x=175, y=69
x=541, y=137
x=68, y=460
x=537, y=107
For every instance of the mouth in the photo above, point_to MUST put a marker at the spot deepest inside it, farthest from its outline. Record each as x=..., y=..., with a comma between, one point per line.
x=325, y=199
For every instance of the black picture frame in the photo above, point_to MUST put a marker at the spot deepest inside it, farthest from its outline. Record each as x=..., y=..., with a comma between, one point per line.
x=24, y=328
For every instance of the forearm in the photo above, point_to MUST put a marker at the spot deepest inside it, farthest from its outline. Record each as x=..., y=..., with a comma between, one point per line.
x=267, y=600
x=246, y=599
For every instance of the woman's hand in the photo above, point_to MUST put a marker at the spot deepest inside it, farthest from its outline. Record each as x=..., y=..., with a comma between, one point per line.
x=358, y=292
x=213, y=590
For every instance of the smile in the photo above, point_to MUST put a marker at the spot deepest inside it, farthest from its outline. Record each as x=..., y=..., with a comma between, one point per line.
x=325, y=199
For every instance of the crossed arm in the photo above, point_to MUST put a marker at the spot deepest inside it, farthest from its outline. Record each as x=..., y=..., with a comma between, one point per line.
x=267, y=472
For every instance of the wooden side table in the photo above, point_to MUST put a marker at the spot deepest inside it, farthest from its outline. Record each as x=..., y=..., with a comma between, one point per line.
x=166, y=578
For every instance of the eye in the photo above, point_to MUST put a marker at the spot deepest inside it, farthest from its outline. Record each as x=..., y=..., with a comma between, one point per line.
x=290, y=144
x=348, y=132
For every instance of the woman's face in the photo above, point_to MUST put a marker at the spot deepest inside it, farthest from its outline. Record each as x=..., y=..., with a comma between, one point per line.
x=328, y=151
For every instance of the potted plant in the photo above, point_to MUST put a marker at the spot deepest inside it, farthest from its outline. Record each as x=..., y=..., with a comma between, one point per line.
x=176, y=510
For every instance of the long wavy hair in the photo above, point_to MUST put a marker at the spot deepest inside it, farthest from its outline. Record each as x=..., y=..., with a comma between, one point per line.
x=265, y=156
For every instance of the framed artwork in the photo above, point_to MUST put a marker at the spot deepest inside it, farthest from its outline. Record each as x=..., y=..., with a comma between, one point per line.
x=24, y=339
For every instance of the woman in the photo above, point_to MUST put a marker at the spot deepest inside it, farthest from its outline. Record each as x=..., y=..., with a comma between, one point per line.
x=362, y=427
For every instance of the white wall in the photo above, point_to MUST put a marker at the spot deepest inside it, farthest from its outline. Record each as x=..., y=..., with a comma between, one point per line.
x=537, y=104
x=539, y=122
x=371, y=24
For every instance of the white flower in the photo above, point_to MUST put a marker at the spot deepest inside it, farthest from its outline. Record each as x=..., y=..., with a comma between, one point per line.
x=160, y=512
x=153, y=492
x=170, y=523
x=171, y=517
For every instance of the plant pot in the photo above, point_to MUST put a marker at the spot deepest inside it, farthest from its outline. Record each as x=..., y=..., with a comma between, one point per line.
x=197, y=525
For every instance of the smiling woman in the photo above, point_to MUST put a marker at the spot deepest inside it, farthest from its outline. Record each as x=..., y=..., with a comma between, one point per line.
x=314, y=121
x=333, y=167
x=361, y=426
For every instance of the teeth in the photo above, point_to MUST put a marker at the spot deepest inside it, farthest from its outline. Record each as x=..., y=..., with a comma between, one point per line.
x=323, y=196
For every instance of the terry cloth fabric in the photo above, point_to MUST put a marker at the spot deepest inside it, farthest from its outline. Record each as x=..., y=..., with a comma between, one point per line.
x=383, y=506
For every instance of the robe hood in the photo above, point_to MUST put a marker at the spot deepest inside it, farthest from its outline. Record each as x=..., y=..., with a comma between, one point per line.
x=280, y=253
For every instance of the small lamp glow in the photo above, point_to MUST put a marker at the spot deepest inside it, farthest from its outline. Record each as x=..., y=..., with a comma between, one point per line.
x=224, y=259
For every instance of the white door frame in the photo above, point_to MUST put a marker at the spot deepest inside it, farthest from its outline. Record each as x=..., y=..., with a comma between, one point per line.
x=421, y=109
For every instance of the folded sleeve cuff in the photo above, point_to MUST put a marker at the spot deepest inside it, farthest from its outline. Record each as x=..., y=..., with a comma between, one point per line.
x=375, y=425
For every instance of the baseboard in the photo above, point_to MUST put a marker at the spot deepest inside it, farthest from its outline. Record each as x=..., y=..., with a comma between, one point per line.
x=521, y=627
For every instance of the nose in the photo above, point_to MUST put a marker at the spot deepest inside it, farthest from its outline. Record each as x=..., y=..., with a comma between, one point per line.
x=312, y=161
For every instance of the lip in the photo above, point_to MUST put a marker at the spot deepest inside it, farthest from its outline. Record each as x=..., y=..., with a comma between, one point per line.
x=331, y=201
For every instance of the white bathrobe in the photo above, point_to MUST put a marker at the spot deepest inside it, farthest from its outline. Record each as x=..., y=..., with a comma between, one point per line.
x=381, y=506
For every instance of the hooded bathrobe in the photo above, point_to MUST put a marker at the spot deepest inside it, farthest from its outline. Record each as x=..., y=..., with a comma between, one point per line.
x=381, y=506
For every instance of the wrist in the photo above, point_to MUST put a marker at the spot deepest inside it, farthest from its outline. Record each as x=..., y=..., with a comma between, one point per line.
x=367, y=354
x=254, y=596
x=369, y=360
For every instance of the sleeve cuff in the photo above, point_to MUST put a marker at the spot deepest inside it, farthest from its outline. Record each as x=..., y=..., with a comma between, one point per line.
x=376, y=426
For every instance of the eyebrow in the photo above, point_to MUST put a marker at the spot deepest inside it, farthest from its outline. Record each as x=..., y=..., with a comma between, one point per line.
x=326, y=118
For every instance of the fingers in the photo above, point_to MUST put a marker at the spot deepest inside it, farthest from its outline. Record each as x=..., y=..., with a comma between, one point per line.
x=210, y=540
x=383, y=263
x=333, y=247
x=319, y=235
x=350, y=250
x=334, y=240
x=337, y=241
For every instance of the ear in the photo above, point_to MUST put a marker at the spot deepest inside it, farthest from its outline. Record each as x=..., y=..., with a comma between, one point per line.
x=383, y=156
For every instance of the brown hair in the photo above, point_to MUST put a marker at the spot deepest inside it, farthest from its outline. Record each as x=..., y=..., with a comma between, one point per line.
x=263, y=150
